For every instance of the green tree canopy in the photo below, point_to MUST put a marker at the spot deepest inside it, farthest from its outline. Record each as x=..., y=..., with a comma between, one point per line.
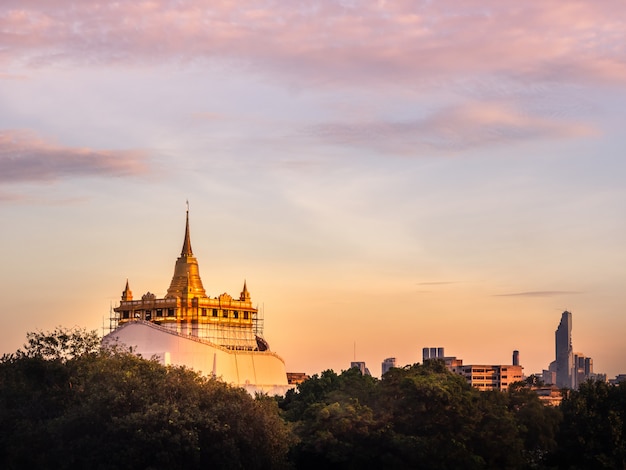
x=419, y=416
x=593, y=432
x=65, y=405
x=61, y=344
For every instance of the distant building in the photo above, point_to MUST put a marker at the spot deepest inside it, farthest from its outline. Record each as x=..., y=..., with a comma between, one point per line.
x=218, y=336
x=490, y=377
x=564, y=354
x=387, y=364
x=549, y=395
x=295, y=378
x=582, y=369
x=429, y=354
x=548, y=377
x=362, y=368
x=432, y=353
x=596, y=377
x=618, y=379
x=569, y=369
x=451, y=362
x=483, y=377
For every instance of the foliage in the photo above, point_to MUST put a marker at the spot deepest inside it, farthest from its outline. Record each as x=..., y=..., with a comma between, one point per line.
x=593, y=433
x=67, y=403
x=113, y=410
x=61, y=344
x=534, y=380
x=420, y=416
x=537, y=424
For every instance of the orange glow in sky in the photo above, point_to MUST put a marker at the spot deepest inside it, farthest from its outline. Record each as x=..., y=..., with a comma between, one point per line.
x=385, y=176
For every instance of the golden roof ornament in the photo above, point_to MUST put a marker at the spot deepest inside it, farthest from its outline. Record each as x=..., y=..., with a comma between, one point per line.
x=186, y=282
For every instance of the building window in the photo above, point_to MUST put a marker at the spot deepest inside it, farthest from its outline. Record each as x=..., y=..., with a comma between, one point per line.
x=170, y=312
x=204, y=312
x=215, y=312
x=125, y=314
x=148, y=314
x=159, y=312
x=245, y=315
x=225, y=313
x=235, y=314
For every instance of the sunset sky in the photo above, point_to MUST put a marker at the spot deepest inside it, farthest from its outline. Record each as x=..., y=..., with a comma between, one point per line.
x=385, y=175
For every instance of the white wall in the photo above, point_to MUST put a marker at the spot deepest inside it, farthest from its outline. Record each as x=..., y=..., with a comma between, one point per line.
x=253, y=370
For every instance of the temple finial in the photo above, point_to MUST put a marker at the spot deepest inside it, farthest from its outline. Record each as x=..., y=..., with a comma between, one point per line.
x=245, y=295
x=127, y=294
x=186, y=251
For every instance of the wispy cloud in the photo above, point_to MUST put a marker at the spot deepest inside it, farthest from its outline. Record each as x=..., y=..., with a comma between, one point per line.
x=26, y=157
x=331, y=41
x=452, y=129
x=539, y=293
x=437, y=283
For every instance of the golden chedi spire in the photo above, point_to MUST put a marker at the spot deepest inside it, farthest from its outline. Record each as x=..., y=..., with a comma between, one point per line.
x=186, y=251
x=186, y=282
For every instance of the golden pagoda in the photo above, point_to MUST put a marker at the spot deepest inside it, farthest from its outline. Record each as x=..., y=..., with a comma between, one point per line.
x=186, y=309
x=217, y=336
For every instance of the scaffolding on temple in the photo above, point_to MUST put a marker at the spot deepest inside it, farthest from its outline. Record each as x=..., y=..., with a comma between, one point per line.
x=229, y=335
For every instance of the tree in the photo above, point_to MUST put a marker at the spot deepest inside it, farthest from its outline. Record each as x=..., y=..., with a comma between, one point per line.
x=334, y=425
x=439, y=422
x=419, y=416
x=73, y=407
x=61, y=344
x=593, y=432
x=537, y=424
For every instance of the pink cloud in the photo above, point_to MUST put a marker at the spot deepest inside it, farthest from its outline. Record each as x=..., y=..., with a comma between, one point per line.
x=452, y=129
x=26, y=157
x=329, y=41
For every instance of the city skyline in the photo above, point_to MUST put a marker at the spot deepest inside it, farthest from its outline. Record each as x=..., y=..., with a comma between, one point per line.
x=390, y=175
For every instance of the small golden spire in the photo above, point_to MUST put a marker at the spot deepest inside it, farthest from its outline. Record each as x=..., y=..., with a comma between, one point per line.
x=127, y=294
x=245, y=295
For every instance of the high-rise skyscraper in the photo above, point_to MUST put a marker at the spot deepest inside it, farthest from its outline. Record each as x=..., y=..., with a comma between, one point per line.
x=564, y=354
x=361, y=366
x=388, y=364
